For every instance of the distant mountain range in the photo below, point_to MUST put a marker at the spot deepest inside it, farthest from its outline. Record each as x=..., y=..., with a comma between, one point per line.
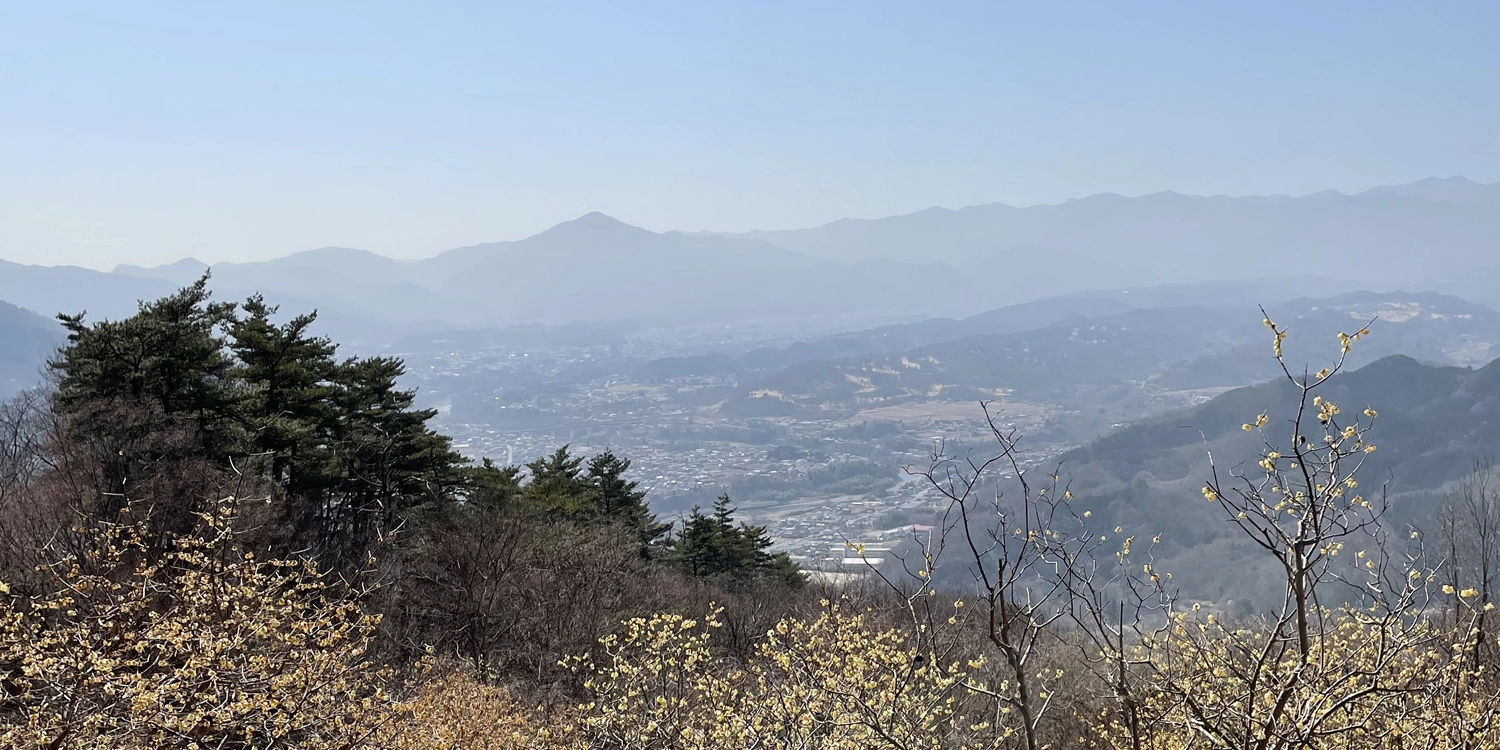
x=1424, y=231
x=48, y=290
x=1428, y=326
x=1440, y=234
x=1168, y=348
x=1242, y=294
x=590, y=269
x=1460, y=191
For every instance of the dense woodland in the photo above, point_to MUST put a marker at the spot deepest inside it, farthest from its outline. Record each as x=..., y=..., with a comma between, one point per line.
x=217, y=533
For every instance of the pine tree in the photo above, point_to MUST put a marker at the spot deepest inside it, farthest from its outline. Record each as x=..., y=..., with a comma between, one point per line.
x=558, y=486
x=772, y=566
x=618, y=500
x=346, y=446
x=713, y=546
x=149, y=401
x=492, y=487
x=696, y=547
x=735, y=551
x=288, y=373
x=168, y=356
x=389, y=462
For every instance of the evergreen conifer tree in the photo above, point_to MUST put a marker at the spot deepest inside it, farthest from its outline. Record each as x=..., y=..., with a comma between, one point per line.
x=493, y=487
x=344, y=442
x=618, y=500
x=559, y=487
x=389, y=462
x=168, y=356
x=713, y=546
x=288, y=375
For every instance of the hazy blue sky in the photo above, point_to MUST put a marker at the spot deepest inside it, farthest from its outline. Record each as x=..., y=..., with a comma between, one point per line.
x=145, y=132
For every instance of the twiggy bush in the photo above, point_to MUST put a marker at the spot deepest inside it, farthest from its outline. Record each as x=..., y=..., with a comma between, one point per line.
x=201, y=647
x=455, y=711
x=1385, y=667
x=829, y=682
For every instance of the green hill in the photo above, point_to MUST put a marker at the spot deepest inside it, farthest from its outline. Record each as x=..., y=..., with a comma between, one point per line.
x=1434, y=422
x=26, y=340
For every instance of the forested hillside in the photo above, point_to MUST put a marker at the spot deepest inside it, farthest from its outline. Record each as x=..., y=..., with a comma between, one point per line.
x=26, y=340
x=1434, y=423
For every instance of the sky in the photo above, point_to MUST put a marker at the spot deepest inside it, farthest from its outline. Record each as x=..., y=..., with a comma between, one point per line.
x=147, y=132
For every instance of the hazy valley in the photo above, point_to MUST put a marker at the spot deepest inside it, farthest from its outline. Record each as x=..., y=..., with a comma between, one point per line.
x=804, y=371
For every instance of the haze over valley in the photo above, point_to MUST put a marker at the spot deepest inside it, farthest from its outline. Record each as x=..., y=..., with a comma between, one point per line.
x=803, y=371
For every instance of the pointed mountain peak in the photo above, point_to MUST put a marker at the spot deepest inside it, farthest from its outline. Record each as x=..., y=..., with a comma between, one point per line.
x=188, y=263
x=594, y=219
x=594, y=226
x=183, y=272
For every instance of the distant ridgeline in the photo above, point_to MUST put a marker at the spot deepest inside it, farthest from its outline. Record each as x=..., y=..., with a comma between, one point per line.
x=1167, y=348
x=1438, y=233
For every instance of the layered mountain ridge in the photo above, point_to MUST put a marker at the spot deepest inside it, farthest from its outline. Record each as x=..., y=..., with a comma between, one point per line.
x=593, y=268
x=1435, y=233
